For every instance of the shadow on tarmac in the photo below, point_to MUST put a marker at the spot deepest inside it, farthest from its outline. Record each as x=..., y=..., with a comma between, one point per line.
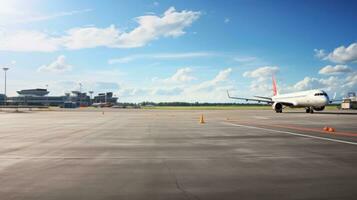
x=336, y=113
x=327, y=113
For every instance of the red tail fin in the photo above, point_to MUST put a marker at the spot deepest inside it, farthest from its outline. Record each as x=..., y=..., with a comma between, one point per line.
x=275, y=89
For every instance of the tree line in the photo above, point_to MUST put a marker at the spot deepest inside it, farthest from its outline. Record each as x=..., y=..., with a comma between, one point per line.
x=149, y=103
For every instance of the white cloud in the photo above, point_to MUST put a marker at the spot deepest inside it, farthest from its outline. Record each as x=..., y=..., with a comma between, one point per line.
x=28, y=41
x=126, y=59
x=105, y=86
x=151, y=27
x=162, y=56
x=62, y=87
x=261, y=76
x=320, y=53
x=247, y=59
x=21, y=18
x=9, y=7
x=341, y=54
x=249, y=62
x=262, y=73
x=168, y=91
x=221, y=77
x=332, y=84
x=339, y=84
x=182, y=75
x=59, y=65
x=16, y=12
x=133, y=93
x=309, y=83
x=213, y=90
x=351, y=81
x=90, y=37
x=261, y=88
x=171, y=24
x=333, y=70
x=181, y=55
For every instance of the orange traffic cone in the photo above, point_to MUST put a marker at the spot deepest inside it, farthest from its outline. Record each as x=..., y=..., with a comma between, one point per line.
x=202, y=121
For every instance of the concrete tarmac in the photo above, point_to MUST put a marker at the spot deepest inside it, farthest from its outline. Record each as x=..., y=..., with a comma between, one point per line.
x=153, y=154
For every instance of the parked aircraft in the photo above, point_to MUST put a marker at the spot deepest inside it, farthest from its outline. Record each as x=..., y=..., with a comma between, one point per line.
x=310, y=100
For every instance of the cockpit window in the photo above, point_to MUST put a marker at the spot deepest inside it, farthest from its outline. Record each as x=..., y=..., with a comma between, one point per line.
x=321, y=94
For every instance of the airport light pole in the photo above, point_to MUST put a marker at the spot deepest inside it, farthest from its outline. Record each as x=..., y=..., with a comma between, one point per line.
x=80, y=94
x=5, y=70
x=91, y=94
x=47, y=95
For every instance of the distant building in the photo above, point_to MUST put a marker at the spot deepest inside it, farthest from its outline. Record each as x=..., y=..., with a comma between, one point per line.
x=40, y=97
x=79, y=98
x=36, y=97
x=38, y=92
x=105, y=98
x=349, y=102
x=2, y=99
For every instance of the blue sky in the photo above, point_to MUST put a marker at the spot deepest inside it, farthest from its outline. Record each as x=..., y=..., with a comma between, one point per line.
x=179, y=50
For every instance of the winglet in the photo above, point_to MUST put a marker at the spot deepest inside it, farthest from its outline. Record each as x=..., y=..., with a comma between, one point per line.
x=228, y=94
x=333, y=98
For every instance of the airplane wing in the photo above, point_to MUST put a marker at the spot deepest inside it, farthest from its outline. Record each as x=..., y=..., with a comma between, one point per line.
x=267, y=100
x=261, y=97
x=334, y=99
x=249, y=99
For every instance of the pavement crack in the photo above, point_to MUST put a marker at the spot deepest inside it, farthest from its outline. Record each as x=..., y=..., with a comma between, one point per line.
x=179, y=187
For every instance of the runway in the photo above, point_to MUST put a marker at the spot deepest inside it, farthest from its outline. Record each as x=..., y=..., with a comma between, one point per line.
x=157, y=154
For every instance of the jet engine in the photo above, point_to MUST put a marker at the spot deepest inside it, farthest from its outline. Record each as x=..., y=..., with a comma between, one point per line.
x=278, y=107
x=321, y=108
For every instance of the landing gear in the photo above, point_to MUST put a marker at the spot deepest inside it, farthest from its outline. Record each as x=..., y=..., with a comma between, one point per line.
x=279, y=111
x=309, y=110
x=278, y=107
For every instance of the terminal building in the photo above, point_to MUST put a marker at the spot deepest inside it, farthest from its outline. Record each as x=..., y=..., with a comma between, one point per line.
x=33, y=92
x=80, y=99
x=35, y=97
x=40, y=97
x=106, y=98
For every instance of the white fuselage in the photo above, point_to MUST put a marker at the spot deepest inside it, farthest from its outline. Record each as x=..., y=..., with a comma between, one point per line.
x=310, y=98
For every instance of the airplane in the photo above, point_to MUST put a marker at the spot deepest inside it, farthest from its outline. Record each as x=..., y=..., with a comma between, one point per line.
x=310, y=100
